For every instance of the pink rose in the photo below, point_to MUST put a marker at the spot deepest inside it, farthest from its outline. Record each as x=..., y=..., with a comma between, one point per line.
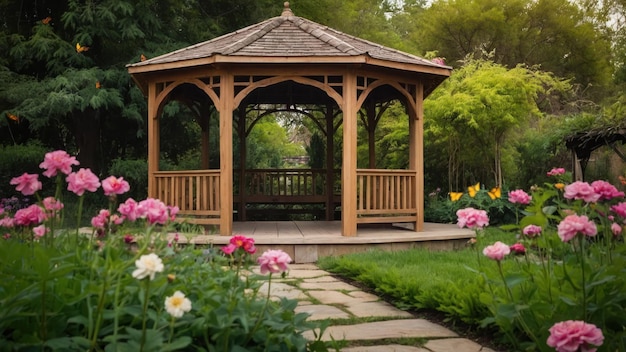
x=616, y=229
x=52, y=204
x=40, y=231
x=129, y=209
x=28, y=184
x=518, y=248
x=31, y=215
x=472, y=218
x=57, y=161
x=153, y=210
x=532, y=230
x=572, y=225
x=606, y=190
x=274, y=261
x=556, y=171
x=497, y=251
x=581, y=190
x=100, y=221
x=619, y=209
x=113, y=185
x=519, y=197
x=229, y=249
x=81, y=181
x=575, y=335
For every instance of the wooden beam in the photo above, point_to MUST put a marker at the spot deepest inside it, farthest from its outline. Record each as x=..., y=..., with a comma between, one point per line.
x=348, y=170
x=153, y=140
x=416, y=152
x=227, y=94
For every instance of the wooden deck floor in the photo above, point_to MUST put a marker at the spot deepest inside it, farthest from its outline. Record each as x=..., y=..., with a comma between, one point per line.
x=306, y=241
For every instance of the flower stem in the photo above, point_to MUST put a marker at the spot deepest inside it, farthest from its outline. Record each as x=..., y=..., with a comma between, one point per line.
x=581, y=242
x=145, y=315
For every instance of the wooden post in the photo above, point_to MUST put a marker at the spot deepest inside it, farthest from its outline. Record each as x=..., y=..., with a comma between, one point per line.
x=153, y=140
x=348, y=170
x=416, y=153
x=243, y=152
x=226, y=153
x=330, y=163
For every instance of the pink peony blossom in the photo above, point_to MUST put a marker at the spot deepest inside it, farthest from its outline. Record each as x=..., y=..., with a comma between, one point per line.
x=229, y=249
x=581, y=190
x=575, y=335
x=556, y=171
x=244, y=242
x=7, y=222
x=129, y=209
x=519, y=197
x=497, y=251
x=572, y=225
x=113, y=185
x=472, y=218
x=616, y=229
x=81, y=181
x=40, y=231
x=518, y=248
x=28, y=184
x=532, y=230
x=153, y=210
x=619, y=209
x=100, y=221
x=31, y=215
x=57, y=161
x=274, y=261
x=52, y=204
x=606, y=190
x=438, y=61
x=172, y=211
x=128, y=238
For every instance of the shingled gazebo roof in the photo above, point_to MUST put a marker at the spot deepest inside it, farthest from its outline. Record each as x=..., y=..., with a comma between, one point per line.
x=290, y=39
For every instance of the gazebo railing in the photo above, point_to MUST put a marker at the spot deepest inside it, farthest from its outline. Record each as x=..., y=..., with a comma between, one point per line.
x=282, y=185
x=196, y=193
x=386, y=196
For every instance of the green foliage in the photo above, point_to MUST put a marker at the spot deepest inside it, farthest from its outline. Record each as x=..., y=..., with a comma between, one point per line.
x=16, y=160
x=135, y=172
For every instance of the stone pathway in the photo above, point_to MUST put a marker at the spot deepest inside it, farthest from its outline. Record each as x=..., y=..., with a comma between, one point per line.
x=325, y=297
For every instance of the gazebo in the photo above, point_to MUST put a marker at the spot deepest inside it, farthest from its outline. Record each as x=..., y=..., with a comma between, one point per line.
x=288, y=63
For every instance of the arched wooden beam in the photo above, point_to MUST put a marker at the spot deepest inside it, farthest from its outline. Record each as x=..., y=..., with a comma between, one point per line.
x=412, y=104
x=161, y=97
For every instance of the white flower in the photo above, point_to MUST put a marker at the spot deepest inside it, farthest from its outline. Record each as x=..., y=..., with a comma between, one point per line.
x=177, y=304
x=148, y=265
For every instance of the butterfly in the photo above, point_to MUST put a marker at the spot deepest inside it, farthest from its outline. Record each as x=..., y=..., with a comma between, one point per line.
x=80, y=49
x=454, y=196
x=46, y=20
x=143, y=57
x=473, y=189
x=13, y=117
x=495, y=192
x=98, y=85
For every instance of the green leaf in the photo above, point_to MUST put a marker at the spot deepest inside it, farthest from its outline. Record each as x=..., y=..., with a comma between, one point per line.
x=513, y=280
x=177, y=344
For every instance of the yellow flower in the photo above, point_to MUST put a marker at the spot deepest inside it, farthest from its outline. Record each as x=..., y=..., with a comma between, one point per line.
x=559, y=186
x=177, y=304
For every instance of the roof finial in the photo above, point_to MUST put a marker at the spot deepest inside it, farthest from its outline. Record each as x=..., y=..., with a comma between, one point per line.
x=286, y=11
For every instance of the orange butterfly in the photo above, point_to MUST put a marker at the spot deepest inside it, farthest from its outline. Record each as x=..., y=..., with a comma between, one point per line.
x=46, y=20
x=472, y=190
x=80, y=49
x=13, y=117
x=454, y=196
x=143, y=57
x=495, y=192
x=98, y=85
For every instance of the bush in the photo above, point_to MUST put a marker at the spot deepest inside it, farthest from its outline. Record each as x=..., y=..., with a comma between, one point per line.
x=135, y=172
x=16, y=160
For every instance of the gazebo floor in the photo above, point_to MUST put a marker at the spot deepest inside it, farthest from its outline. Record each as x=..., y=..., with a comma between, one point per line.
x=306, y=241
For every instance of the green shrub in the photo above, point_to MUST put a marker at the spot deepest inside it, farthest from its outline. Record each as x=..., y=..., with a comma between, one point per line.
x=135, y=171
x=16, y=160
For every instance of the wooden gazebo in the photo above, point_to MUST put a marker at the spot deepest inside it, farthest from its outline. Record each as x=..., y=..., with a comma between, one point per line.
x=289, y=62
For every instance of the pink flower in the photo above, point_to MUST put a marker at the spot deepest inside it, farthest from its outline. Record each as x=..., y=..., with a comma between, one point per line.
x=100, y=220
x=575, y=335
x=128, y=238
x=438, y=61
x=7, y=222
x=229, y=249
x=532, y=230
x=572, y=225
x=40, y=231
x=606, y=190
x=497, y=251
x=472, y=218
x=129, y=209
x=274, y=261
x=244, y=242
x=31, y=215
x=556, y=171
x=581, y=190
x=52, y=204
x=172, y=212
x=153, y=210
x=57, y=161
x=616, y=229
x=519, y=197
x=81, y=181
x=619, y=209
x=518, y=248
x=113, y=185
x=28, y=184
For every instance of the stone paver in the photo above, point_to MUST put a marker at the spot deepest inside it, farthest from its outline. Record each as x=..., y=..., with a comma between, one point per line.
x=385, y=348
x=307, y=273
x=331, y=297
x=321, y=311
x=375, y=309
x=453, y=345
x=364, y=296
x=283, y=290
x=385, y=330
x=333, y=285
